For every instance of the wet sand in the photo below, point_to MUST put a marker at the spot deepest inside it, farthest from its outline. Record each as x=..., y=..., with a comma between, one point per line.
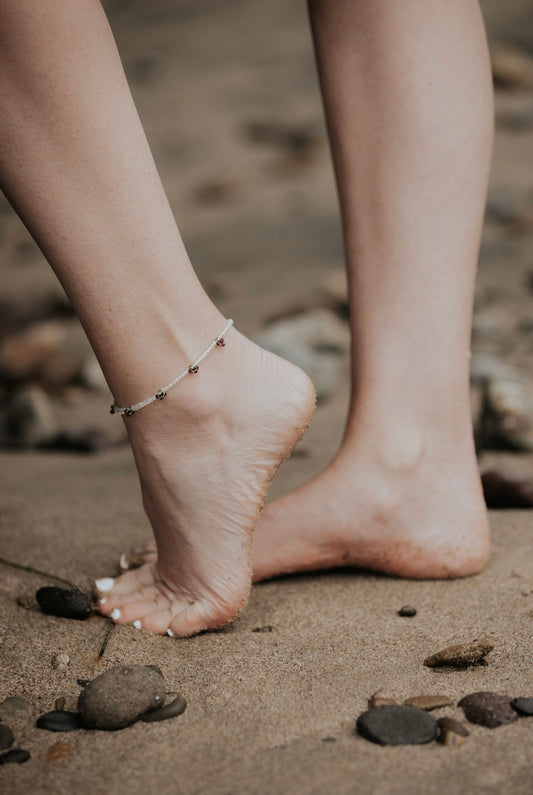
x=260, y=221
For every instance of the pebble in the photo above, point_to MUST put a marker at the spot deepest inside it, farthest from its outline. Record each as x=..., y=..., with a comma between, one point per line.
x=428, y=702
x=407, y=611
x=461, y=654
x=170, y=710
x=60, y=662
x=376, y=700
x=488, y=709
x=450, y=729
x=120, y=696
x=503, y=490
x=524, y=706
x=59, y=720
x=397, y=725
x=6, y=737
x=63, y=602
x=15, y=755
x=58, y=750
x=13, y=707
x=60, y=703
x=26, y=601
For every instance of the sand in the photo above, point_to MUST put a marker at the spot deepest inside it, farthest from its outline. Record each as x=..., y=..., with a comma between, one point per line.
x=261, y=703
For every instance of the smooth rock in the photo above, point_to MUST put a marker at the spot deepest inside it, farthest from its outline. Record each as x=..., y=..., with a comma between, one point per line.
x=6, y=737
x=449, y=726
x=64, y=602
x=508, y=415
x=397, y=725
x=488, y=709
x=170, y=710
x=26, y=418
x=428, y=702
x=377, y=700
x=511, y=66
x=120, y=696
x=524, y=706
x=16, y=755
x=60, y=703
x=461, y=654
x=407, y=611
x=13, y=707
x=60, y=721
x=504, y=490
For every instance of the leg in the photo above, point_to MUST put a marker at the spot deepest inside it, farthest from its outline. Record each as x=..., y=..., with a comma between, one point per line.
x=75, y=164
x=408, y=98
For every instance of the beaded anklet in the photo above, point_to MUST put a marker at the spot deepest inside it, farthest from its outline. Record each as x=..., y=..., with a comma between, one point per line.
x=192, y=369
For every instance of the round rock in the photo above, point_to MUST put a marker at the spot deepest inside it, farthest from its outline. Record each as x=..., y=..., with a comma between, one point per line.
x=6, y=737
x=121, y=696
x=59, y=720
x=64, y=602
x=17, y=755
x=397, y=725
x=524, y=706
x=170, y=710
x=488, y=709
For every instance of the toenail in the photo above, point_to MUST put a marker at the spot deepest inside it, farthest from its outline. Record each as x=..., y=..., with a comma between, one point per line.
x=137, y=624
x=124, y=561
x=105, y=584
x=170, y=633
x=115, y=614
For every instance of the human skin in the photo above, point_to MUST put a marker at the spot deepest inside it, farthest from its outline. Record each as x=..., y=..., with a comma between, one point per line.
x=409, y=108
x=75, y=164
x=409, y=105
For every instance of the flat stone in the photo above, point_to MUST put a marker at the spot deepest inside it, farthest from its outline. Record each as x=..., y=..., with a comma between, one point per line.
x=64, y=602
x=60, y=720
x=6, y=737
x=448, y=726
x=488, y=709
x=121, y=696
x=17, y=755
x=377, y=700
x=13, y=707
x=170, y=710
x=524, y=706
x=461, y=654
x=407, y=611
x=503, y=490
x=428, y=702
x=397, y=725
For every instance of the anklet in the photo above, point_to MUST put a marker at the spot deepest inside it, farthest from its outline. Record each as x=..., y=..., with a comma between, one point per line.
x=192, y=369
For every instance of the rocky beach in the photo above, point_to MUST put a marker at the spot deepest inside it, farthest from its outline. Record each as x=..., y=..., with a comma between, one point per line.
x=316, y=687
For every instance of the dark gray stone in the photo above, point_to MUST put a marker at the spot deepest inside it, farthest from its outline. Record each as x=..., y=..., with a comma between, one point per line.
x=488, y=709
x=397, y=725
x=170, y=710
x=524, y=706
x=121, y=696
x=407, y=611
x=60, y=721
x=15, y=755
x=6, y=737
x=64, y=602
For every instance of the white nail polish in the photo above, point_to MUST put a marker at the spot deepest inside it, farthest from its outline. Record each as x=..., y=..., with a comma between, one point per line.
x=137, y=624
x=102, y=601
x=115, y=614
x=170, y=633
x=105, y=584
x=124, y=561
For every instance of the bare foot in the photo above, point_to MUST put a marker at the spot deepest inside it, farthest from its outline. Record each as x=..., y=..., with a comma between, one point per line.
x=205, y=456
x=424, y=517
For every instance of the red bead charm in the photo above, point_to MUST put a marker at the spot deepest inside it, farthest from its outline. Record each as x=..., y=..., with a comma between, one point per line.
x=221, y=342
x=193, y=368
